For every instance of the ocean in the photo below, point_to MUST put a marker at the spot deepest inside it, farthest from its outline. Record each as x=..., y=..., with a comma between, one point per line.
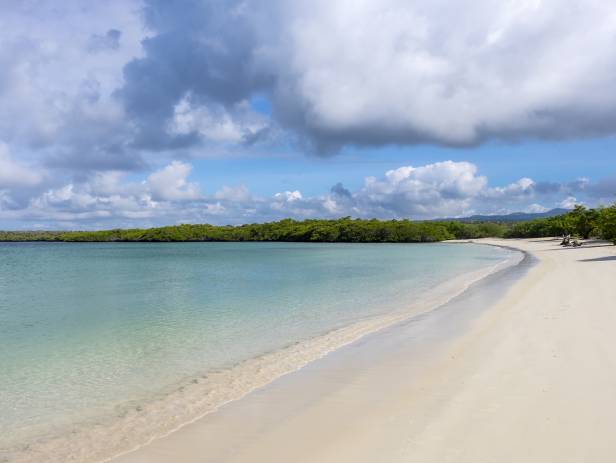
x=92, y=334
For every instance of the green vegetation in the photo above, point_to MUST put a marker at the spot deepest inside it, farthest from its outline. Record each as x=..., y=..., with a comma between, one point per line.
x=580, y=222
x=339, y=230
x=606, y=223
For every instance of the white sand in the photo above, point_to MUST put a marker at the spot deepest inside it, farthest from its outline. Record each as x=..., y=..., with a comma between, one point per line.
x=531, y=379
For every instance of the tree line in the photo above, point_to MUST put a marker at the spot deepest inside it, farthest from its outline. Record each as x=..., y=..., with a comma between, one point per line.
x=580, y=222
x=345, y=229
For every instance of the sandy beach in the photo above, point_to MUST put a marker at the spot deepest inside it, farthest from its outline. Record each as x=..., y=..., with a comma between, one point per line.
x=530, y=377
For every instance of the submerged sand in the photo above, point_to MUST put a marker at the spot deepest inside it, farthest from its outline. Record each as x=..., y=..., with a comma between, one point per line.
x=136, y=425
x=529, y=375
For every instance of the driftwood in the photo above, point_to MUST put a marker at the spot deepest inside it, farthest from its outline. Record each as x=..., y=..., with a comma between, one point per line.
x=567, y=242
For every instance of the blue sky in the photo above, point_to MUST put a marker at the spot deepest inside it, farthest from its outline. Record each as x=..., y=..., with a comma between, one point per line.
x=501, y=163
x=151, y=112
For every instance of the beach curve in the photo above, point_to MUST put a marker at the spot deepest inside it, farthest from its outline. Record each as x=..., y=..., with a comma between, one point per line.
x=531, y=379
x=137, y=428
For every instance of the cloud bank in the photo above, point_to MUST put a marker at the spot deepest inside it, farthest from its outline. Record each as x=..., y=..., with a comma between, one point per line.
x=393, y=71
x=156, y=75
x=168, y=196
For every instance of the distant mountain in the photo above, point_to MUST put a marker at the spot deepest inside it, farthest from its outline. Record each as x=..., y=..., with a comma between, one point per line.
x=514, y=217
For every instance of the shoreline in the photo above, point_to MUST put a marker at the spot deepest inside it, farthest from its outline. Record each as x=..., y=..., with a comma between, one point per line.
x=417, y=309
x=262, y=370
x=527, y=378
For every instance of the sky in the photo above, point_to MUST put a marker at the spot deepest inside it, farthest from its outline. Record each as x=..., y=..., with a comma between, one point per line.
x=137, y=113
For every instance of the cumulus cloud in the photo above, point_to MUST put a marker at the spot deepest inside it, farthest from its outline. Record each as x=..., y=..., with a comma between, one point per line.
x=569, y=202
x=411, y=72
x=357, y=72
x=288, y=196
x=443, y=187
x=167, y=196
x=215, y=123
x=521, y=188
x=170, y=183
x=393, y=71
x=197, y=61
x=109, y=198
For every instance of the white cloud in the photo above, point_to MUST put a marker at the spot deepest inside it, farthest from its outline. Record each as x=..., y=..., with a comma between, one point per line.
x=288, y=196
x=569, y=202
x=429, y=70
x=442, y=189
x=291, y=203
x=523, y=187
x=170, y=183
x=215, y=122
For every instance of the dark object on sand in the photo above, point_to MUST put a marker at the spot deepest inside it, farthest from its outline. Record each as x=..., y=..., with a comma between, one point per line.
x=567, y=242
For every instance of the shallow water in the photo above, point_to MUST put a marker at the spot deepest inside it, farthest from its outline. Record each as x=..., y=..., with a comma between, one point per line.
x=89, y=329
x=362, y=382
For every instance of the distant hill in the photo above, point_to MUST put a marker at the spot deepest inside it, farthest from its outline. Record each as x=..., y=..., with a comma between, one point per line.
x=514, y=217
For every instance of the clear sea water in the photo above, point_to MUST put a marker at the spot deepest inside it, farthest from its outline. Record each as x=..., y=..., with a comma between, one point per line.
x=88, y=328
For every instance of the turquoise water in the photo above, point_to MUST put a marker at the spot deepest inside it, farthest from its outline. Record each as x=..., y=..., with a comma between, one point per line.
x=88, y=328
